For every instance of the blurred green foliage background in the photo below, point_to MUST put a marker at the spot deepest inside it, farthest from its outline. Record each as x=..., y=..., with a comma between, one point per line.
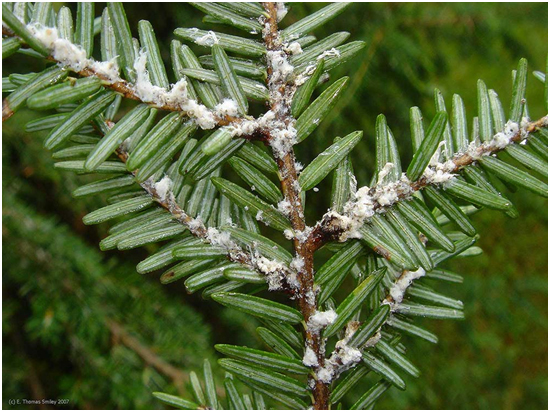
x=84, y=326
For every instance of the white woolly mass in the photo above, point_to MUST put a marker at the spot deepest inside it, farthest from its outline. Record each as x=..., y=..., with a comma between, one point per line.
x=310, y=295
x=434, y=160
x=367, y=201
x=303, y=235
x=373, y=340
x=310, y=359
x=366, y=204
x=266, y=119
x=352, y=182
x=72, y=55
x=526, y=123
x=282, y=140
x=296, y=186
x=195, y=224
x=47, y=35
x=440, y=173
x=176, y=96
x=222, y=239
x=305, y=75
x=320, y=320
x=504, y=138
x=267, y=27
x=293, y=281
x=297, y=263
x=244, y=128
x=143, y=87
x=326, y=373
x=208, y=40
x=343, y=223
x=109, y=70
x=273, y=271
x=384, y=172
x=281, y=10
x=342, y=358
x=282, y=134
x=281, y=68
x=163, y=187
x=201, y=114
x=248, y=126
x=499, y=141
x=293, y=48
x=332, y=52
x=397, y=291
x=283, y=137
x=228, y=107
x=268, y=265
x=349, y=355
x=289, y=234
x=285, y=207
x=387, y=198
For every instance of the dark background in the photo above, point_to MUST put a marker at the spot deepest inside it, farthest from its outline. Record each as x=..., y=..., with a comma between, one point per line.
x=81, y=325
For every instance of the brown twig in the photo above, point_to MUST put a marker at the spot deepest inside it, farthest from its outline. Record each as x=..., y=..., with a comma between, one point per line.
x=307, y=301
x=329, y=228
x=149, y=357
x=121, y=86
x=196, y=228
